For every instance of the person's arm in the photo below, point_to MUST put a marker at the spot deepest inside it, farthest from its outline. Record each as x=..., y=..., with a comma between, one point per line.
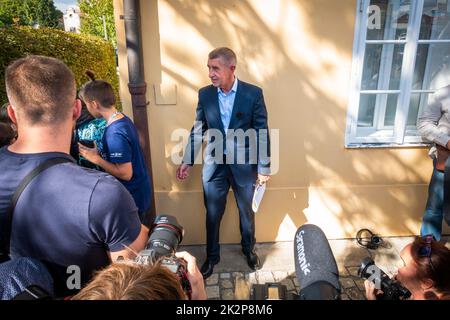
x=263, y=139
x=194, y=144
x=114, y=220
x=123, y=171
x=427, y=123
x=130, y=251
x=121, y=168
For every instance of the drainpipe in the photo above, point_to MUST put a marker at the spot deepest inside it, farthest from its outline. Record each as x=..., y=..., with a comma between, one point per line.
x=138, y=87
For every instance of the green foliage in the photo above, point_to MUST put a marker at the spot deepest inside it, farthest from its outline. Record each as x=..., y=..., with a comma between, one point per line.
x=92, y=14
x=29, y=13
x=79, y=52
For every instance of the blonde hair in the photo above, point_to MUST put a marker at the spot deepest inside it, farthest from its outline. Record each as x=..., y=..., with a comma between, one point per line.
x=129, y=281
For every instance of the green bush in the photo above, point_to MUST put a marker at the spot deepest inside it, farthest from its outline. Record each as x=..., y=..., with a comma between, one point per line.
x=79, y=52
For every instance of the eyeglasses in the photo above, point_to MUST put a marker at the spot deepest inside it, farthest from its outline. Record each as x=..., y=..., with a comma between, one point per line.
x=425, y=251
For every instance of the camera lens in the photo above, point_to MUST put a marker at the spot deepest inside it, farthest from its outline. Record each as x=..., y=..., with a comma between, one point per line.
x=165, y=236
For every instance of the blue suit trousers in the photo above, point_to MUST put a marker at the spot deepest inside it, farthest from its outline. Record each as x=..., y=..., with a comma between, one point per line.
x=215, y=192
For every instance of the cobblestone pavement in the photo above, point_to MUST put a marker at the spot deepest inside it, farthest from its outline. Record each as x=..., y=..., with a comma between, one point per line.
x=233, y=280
x=237, y=285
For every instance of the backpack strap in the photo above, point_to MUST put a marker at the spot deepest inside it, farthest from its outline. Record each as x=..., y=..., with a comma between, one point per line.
x=6, y=234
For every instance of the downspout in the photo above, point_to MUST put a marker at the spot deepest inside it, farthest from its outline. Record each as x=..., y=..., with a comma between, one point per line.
x=138, y=87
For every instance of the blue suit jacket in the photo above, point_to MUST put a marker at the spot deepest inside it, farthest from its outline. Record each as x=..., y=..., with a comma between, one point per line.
x=250, y=155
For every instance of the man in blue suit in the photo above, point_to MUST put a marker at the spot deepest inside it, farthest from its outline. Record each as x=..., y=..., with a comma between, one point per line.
x=233, y=116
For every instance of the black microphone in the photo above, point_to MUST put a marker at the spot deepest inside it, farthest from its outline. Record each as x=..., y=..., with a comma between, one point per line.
x=315, y=265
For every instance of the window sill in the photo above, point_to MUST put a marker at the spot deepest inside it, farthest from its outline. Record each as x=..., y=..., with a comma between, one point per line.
x=386, y=145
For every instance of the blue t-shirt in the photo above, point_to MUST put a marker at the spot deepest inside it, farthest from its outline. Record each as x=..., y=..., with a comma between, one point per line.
x=68, y=215
x=121, y=145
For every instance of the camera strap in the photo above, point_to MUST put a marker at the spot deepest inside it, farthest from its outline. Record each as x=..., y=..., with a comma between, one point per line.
x=33, y=292
x=6, y=234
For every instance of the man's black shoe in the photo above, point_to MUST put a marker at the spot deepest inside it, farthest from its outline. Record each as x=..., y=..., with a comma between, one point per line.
x=207, y=268
x=253, y=261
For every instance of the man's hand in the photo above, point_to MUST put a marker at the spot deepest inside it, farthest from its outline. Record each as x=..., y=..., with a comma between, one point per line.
x=194, y=276
x=90, y=154
x=371, y=291
x=263, y=178
x=183, y=172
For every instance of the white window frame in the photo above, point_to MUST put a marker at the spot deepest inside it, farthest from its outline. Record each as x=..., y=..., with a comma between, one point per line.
x=402, y=135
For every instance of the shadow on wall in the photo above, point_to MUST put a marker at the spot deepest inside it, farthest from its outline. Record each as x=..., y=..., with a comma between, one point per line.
x=299, y=52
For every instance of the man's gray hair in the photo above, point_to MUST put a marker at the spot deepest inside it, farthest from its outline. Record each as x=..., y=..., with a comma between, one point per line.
x=226, y=53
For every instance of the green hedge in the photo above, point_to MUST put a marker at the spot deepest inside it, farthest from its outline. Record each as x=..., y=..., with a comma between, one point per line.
x=79, y=52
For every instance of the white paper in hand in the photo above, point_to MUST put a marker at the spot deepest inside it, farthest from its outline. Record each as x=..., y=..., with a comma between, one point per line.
x=257, y=196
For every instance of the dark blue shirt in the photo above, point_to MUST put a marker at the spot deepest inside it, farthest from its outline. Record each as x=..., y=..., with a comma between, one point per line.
x=67, y=215
x=121, y=145
x=16, y=275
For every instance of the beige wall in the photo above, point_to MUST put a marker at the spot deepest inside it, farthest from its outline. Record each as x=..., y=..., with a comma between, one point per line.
x=300, y=53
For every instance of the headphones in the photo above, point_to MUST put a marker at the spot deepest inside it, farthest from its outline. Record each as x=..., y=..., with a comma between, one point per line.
x=368, y=239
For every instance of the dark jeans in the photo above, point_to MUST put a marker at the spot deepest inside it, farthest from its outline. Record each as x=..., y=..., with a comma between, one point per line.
x=432, y=218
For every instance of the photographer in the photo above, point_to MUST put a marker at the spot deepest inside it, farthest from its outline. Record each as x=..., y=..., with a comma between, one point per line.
x=424, y=273
x=121, y=155
x=131, y=281
x=50, y=208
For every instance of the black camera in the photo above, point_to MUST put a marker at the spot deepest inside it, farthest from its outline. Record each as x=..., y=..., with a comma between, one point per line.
x=392, y=289
x=165, y=236
x=87, y=143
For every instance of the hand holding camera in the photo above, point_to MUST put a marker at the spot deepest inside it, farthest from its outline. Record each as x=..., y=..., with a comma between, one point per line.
x=378, y=284
x=371, y=291
x=194, y=275
x=165, y=236
x=88, y=150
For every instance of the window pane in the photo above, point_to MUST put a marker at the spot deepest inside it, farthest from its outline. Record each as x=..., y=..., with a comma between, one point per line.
x=382, y=66
x=435, y=20
x=366, y=110
x=417, y=103
x=388, y=19
x=391, y=109
x=377, y=110
x=432, y=70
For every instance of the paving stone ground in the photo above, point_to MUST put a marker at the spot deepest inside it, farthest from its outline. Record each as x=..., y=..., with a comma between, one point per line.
x=233, y=280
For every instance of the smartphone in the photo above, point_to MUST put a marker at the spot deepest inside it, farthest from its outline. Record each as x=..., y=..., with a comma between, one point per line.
x=87, y=143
